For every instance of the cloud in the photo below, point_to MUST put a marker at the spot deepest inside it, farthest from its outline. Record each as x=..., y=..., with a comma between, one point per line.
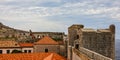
x=6, y=0
x=40, y=1
x=76, y=8
x=35, y=14
x=27, y=3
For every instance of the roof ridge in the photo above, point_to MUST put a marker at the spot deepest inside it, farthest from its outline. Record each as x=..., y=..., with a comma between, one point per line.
x=49, y=57
x=46, y=40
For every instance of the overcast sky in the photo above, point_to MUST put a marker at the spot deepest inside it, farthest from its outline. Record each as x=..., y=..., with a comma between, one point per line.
x=58, y=15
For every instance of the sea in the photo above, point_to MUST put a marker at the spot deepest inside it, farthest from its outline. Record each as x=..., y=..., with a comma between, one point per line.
x=117, y=48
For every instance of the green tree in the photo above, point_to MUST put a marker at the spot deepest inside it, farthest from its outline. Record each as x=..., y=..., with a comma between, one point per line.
x=16, y=51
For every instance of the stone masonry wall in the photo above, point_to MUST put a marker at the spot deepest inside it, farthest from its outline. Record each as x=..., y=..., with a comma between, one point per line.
x=98, y=42
x=93, y=55
x=51, y=48
x=73, y=33
x=77, y=55
x=101, y=41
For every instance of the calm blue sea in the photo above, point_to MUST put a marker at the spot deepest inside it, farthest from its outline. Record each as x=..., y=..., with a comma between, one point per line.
x=117, y=47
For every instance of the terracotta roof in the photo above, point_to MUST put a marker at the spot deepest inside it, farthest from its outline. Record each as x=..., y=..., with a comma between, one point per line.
x=49, y=57
x=31, y=56
x=26, y=44
x=47, y=40
x=9, y=44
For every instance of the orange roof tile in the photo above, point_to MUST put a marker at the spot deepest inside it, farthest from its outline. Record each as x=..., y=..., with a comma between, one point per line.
x=49, y=57
x=26, y=45
x=31, y=56
x=47, y=40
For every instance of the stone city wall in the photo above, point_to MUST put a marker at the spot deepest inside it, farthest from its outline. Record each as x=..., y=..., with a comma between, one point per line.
x=77, y=55
x=93, y=55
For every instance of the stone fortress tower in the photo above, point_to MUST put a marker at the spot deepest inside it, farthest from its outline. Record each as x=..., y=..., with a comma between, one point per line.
x=101, y=41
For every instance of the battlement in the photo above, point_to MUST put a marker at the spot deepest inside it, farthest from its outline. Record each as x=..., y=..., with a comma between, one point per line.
x=101, y=41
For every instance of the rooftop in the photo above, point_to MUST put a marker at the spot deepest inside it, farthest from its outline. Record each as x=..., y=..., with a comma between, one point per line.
x=26, y=45
x=47, y=41
x=32, y=56
x=9, y=44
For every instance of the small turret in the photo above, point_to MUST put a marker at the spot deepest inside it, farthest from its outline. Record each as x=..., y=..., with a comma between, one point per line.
x=112, y=28
x=1, y=23
x=76, y=26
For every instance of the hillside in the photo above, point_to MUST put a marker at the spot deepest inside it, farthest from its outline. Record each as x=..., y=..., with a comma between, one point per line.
x=8, y=33
x=5, y=28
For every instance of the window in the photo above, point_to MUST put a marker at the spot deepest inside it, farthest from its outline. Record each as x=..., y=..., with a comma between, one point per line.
x=8, y=51
x=43, y=35
x=77, y=46
x=46, y=50
x=25, y=51
x=0, y=51
x=23, y=33
x=77, y=36
x=29, y=51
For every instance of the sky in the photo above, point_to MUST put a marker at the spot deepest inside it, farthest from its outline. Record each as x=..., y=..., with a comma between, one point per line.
x=58, y=15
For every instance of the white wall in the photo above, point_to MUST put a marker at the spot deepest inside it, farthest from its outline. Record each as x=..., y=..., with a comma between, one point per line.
x=27, y=48
x=4, y=50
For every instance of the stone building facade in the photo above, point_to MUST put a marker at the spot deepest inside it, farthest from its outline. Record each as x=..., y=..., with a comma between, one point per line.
x=26, y=47
x=73, y=33
x=47, y=44
x=7, y=47
x=101, y=41
x=47, y=48
x=57, y=35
